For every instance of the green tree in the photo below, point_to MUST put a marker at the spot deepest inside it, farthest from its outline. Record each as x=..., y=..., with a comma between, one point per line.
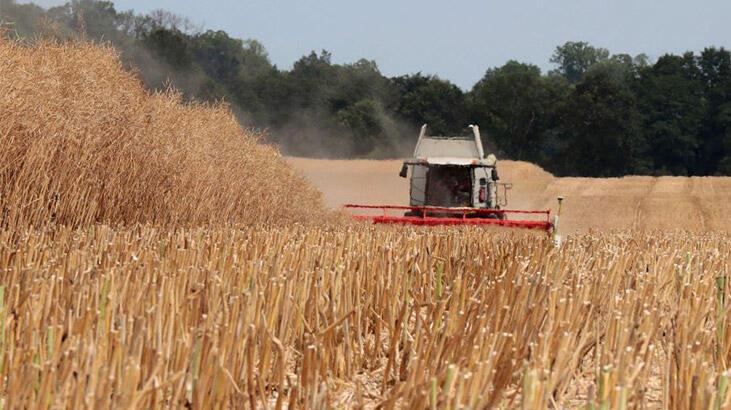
x=715, y=150
x=313, y=79
x=95, y=19
x=225, y=58
x=431, y=100
x=518, y=107
x=724, y=164
x=358, y=81
x=670, y=98
x=170, y=45
x=601, y=126
x=362, y=119
x=574, y=59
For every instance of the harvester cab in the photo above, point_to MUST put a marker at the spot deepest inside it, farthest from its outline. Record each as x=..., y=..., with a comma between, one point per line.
x=453, y=182
x=454, y=172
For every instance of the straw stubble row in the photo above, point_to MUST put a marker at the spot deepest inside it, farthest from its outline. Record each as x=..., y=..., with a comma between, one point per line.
x=307, y=317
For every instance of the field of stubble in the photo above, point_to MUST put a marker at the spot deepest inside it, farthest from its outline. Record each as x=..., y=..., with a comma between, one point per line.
x=362, y=317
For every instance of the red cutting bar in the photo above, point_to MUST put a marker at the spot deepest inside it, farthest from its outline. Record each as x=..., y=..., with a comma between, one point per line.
x=444, y=209
x=415, y=220
x=459, y=218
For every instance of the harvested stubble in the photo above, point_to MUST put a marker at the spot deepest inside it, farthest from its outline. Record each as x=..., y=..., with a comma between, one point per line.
x=82, y=142
x=307, y=317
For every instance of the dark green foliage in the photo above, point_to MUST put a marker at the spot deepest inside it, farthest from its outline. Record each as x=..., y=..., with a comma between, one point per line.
x=431, y=100
x=715, y=144
x=516, y=105
x=575, y=58
x=362, y=119
x=226, y=59
x=672, y=102
x=596, y=114
x=601, y=127
x=313, y=78
x=170, y=45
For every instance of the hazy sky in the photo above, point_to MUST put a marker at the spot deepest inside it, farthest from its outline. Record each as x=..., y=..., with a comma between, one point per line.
x=456, y=40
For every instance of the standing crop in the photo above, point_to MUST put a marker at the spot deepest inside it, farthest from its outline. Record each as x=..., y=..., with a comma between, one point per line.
x=82, y=142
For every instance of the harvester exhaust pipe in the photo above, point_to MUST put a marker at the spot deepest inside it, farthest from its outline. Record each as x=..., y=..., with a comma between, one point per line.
x=422, y=134
x=478, y=140
x=556, y=234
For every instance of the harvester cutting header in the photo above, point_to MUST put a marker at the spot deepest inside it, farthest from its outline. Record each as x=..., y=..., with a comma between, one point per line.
x=453, y=182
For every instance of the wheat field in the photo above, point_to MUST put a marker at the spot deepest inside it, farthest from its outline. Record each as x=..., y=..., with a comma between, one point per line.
x=83, y=142
x=154, y=254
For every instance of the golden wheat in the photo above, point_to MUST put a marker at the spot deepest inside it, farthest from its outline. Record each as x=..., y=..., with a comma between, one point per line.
x=82, y=142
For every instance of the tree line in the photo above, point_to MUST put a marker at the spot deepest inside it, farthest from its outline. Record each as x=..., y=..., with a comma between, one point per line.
x=595, y=114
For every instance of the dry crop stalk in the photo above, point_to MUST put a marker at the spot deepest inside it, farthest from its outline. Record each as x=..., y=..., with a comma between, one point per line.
x=83, y=142
x=216, y=316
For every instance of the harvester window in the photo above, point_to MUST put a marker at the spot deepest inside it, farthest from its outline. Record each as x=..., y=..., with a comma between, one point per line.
x=449, y=186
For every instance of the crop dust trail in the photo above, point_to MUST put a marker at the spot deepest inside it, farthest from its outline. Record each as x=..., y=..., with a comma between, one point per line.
x=694, y=203
x=355, y=181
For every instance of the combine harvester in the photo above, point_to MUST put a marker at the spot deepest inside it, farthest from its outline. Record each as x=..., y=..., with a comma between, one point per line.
x=453, y=182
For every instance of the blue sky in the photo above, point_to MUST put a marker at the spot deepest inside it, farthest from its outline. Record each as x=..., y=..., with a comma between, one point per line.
x=456, y=40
